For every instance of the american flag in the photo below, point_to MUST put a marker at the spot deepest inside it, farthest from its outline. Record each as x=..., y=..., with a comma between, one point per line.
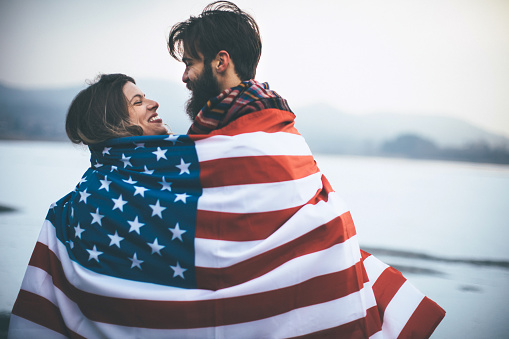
x=235, y=234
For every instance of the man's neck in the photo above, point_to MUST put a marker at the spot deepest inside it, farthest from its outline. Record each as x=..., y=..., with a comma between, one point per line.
x=229, y=82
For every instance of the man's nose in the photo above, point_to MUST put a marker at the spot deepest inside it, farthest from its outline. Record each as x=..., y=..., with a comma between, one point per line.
x=185, y=77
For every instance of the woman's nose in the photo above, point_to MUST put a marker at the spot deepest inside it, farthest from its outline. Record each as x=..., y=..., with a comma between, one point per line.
x=153, y=104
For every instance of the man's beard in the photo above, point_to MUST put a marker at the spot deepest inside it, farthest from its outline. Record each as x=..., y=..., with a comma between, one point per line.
x=202, y=90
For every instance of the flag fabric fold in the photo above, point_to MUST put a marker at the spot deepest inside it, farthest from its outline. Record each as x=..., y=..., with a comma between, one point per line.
x=233, y=234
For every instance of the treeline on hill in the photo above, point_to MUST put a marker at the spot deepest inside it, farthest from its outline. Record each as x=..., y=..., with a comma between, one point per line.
x=34, y=114
x=414, y=146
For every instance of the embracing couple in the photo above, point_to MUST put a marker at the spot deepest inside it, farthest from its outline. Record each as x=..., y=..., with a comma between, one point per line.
x=229, y=231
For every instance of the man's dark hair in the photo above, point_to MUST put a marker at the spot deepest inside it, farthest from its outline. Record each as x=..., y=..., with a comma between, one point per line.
x=221, y=26
x=100, y=112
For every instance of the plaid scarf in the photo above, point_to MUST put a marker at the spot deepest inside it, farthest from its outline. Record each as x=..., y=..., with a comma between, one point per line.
x=250, y=96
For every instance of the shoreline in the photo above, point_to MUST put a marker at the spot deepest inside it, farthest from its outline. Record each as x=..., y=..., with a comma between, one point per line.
x=385, y=252
x=7, y=209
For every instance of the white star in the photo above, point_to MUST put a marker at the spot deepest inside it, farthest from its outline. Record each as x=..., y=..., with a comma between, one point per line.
x=115, y=239
x=184, y=167
x=130, y=181
x=140, y=191
x=71, y=244
x=84, y=195
x=72, y=212
x=181, y=197
x=126, y=161
x=94, y=254
x=135, y=225
x=106, y=150
x=147, y=171
x=82, y=180
x=53, y=205
x=135, y=261
x=97, y=164
x=78, y=231
x=160, y=153
x=157, y=209
x=173, y=138
x=140, y=145
x=177, y=232
x=96, y=217
x=178, y=271
x=166, y=185
x=156, y=248
x=105, y=183
x=114, y=168
x=119, y=203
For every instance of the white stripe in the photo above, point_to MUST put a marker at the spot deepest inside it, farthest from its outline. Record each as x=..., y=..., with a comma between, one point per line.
x=290, y=273
x=378, y=335
x=20, y=328
x=374, y=267
x=220, y=253
x=400, y=309
x=36, y=280
x=251, y=144
x=254, y=198
x=217, y=254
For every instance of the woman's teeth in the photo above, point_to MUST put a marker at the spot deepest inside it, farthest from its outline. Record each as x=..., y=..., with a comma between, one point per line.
x=154, y=118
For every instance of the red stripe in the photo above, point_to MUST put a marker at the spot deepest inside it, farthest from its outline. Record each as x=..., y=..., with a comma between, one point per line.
x=206, y=313
x=255, y=170
x=252, y=226
x=360, y=328
x=268, y=120
x=41, y=311
x=386, y=287
x=364, y=255
x=334, y=232
x=240, y=226
x=423, y=321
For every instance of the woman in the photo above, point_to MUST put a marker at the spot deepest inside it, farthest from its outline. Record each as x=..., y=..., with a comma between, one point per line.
x=112, y=107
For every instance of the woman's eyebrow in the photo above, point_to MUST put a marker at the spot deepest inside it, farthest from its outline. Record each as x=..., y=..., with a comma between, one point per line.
x=137, y=95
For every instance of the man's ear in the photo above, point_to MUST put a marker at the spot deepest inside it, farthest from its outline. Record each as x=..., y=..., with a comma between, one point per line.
x=222, y=61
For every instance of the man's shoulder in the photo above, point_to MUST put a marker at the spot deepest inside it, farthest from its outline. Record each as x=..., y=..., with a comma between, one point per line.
x=268, y=120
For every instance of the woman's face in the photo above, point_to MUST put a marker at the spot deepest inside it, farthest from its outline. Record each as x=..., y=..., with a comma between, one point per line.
x=143, y=111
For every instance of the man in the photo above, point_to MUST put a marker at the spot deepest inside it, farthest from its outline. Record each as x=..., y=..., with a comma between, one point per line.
x=221, y=49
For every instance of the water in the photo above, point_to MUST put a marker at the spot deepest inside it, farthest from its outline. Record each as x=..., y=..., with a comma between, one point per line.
x=446, y=209
x=447, y=221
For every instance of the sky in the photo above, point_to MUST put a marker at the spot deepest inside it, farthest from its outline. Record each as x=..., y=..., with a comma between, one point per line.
x=433, y=57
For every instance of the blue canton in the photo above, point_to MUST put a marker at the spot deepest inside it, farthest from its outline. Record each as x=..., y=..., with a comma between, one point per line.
x=133, y=213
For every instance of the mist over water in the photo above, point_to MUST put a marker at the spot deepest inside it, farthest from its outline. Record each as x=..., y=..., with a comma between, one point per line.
x=443, y=224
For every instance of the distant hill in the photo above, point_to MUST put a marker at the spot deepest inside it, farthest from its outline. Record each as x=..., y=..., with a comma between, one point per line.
x=34, y=114
x=40, y=115
x=366, y=132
